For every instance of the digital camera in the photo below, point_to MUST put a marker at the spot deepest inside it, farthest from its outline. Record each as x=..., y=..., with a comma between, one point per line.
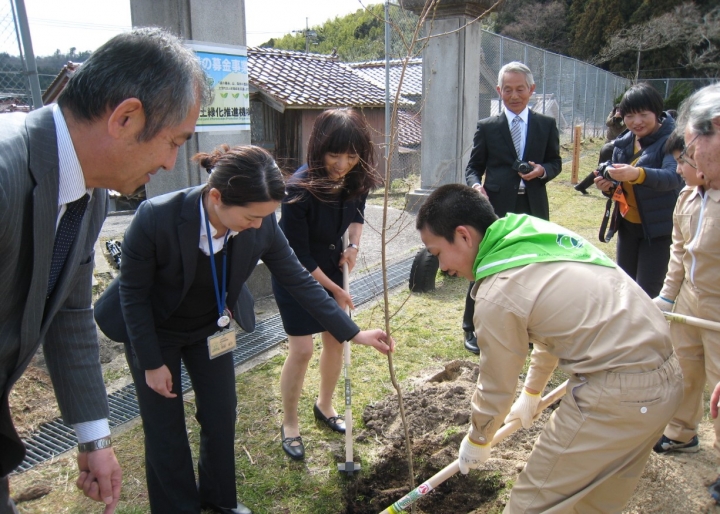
x=522, y=167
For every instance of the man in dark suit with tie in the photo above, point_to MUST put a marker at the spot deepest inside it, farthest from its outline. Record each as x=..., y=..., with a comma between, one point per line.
x=517, y=135
x=122, y=117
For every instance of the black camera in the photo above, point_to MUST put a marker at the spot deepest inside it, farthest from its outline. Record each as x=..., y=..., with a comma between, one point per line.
x=600, y=171
x=522, y=167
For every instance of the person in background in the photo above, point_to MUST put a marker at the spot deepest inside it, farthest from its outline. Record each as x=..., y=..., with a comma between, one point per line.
x=118, y=121
x=325, y=198
x=625, y=380
x=186, y=258
x=645, y=186
x=516, y=135
x=692, y=283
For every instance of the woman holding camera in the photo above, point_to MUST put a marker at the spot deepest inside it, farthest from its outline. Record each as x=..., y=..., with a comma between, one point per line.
x=645, y=185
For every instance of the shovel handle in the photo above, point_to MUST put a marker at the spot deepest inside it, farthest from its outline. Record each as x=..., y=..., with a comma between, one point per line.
x=452, y=468
x=690, y=320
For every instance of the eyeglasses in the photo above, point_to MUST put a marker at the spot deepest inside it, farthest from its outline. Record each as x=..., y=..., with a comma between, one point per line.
x=684, y=158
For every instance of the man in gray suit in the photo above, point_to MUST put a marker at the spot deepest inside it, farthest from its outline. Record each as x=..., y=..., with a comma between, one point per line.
x=121, y=118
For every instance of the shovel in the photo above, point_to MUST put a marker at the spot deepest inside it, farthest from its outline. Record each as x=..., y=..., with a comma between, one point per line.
x=348, y=467
x=690, y=320
x=454, y=467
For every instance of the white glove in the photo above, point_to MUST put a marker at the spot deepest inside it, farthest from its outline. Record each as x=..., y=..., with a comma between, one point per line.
x=663, y=304
x=524, y=409
x=472, y=455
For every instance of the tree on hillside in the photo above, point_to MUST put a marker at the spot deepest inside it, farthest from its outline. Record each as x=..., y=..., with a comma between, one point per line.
x=683, y=28
x=356, y=37
x=541, y=24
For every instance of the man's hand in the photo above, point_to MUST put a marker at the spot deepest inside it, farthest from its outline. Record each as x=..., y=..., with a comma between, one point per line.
x=377, y=338
x=524, y=408
x=663, y=304
x=472, y=455
x=714, y=399
x=100, y=477
x=160, y=381
x=537, y=171
x=480, y=189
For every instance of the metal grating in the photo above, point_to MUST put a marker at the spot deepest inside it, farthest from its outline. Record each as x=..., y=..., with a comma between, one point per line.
x=55, y=437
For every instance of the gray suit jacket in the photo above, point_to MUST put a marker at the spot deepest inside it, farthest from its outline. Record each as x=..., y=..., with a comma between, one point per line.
x=158, y=266
x=493, y=154
x=64, y=323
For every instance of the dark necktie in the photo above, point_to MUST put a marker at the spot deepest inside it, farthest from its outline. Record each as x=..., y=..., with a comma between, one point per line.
x=64, y=237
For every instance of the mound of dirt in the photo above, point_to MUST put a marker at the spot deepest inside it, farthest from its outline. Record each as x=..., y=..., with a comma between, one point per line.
x=437, y=408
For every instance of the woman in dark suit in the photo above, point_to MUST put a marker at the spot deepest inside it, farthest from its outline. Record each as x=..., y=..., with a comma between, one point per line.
x=325, y=198
x=174, y=300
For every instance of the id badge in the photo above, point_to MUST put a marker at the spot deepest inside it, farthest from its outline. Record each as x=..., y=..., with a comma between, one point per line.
x=221, y=343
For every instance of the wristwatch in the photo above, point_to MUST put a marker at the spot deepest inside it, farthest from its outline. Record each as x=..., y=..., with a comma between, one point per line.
x=353, y=245
x=97, y=444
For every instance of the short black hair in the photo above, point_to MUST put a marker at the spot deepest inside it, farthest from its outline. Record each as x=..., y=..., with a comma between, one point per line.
x=452, y=205
x=642, y=97
x=674, y=143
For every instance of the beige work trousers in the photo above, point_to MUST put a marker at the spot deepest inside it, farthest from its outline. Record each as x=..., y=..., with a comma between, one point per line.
x=698, y=351
x=594, y=447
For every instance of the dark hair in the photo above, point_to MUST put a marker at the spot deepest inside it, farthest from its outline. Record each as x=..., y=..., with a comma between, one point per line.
x=674, y=143
x=242, y=174
x=149, y=64
x=642, y=97
x=341, y=131
x=452, y=205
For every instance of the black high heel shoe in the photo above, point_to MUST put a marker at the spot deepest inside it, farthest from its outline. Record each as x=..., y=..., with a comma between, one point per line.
x=336, y=423
x=296, y=452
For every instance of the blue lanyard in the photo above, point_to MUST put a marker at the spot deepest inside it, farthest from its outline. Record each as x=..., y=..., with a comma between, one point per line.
x=218, y=296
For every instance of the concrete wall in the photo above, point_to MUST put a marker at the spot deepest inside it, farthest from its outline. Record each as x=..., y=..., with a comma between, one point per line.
x=211, y=21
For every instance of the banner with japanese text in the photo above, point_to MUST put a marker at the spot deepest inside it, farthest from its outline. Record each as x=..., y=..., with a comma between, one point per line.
x=226, y=69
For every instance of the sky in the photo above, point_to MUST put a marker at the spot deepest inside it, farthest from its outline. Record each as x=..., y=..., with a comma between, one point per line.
x=86, y=24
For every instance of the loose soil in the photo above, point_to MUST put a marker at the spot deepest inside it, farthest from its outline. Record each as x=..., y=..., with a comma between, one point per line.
x=437, y=411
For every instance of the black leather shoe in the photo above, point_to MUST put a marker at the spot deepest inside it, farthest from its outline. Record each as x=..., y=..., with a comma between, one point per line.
x=295, y=452
x=471, y=343
x=240, y=509
x=336, y=423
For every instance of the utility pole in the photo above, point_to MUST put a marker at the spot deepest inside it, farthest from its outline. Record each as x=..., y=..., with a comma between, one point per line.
x=308, y=35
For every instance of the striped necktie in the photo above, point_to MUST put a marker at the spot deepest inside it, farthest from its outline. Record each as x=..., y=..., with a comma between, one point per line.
x=64, y=237
x=516, y=133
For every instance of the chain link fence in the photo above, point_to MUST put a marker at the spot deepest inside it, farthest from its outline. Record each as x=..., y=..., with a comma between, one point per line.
x=14, y=91
x=571, y=91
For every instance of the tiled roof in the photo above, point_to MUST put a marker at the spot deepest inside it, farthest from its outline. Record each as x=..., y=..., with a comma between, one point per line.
x=412, y=81
x=409, y=128
x=299, y=80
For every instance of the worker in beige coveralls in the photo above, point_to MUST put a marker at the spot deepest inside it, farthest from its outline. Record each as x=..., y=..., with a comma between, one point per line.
x=539, y=282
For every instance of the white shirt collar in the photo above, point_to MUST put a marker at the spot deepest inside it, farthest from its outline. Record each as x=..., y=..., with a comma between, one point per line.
x=511, y=115
x=71, y=181
x=216, y=242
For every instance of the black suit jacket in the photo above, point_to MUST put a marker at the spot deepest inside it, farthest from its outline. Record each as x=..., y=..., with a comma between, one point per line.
x=158, y=266
x=63, y=323
x=493, y=154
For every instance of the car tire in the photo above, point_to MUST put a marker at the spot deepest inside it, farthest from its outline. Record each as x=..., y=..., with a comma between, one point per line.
x=423, y=271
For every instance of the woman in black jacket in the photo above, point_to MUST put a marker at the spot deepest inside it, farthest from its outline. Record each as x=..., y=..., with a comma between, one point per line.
x=186, y=258
x=325, y=198
x=648, y=188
